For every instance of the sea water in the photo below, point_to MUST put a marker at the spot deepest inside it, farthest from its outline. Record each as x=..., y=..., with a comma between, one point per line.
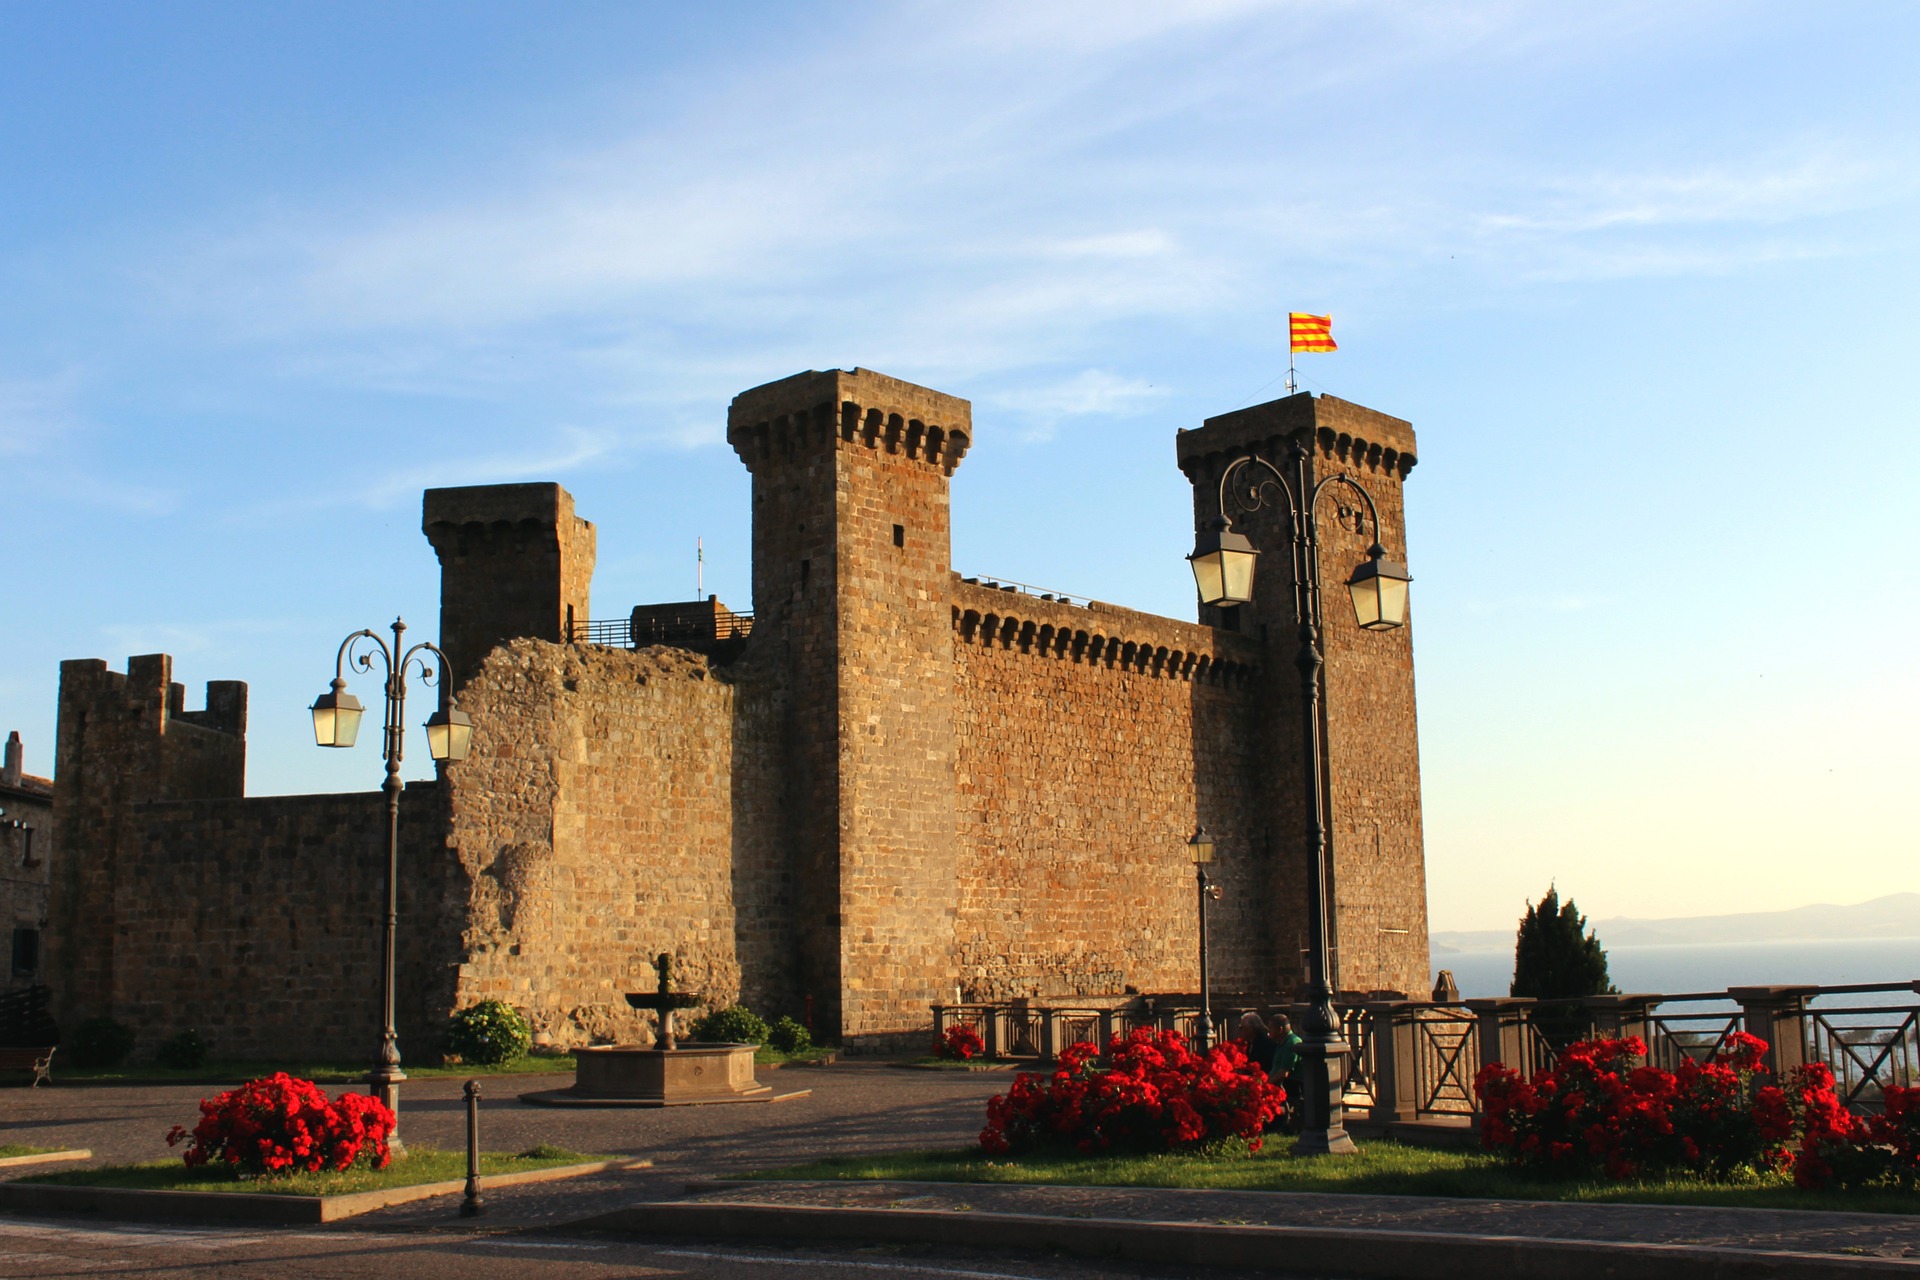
x=1671, y=970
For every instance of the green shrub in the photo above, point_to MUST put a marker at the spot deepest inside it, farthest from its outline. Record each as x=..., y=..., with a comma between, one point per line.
x=789, y=1036
x=547, y=1151
x=99, y=1042
x=488, y=1033
x=736, y=1025
x=185, y=1050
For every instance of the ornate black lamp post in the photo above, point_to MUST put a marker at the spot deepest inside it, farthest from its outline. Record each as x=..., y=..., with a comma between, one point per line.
x=336, y=722
x=1223, y=563
x=1200, y=851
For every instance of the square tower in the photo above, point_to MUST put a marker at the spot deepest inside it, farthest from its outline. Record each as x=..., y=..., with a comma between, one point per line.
x=514, y=561
x=851, y=584
x=1377, y=917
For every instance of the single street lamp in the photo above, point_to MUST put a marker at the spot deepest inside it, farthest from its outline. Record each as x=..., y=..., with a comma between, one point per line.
x=26, y=838
x=1200, y=851
x=336, y=723
x=1223, y=569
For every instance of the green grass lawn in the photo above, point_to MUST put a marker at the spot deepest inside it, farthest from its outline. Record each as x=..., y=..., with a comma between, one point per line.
x=766, y=1055
x=1381, y=1168
x=421, y=1164
x=318, y=1072
x=338, y=1073
x=971, y=1064
x=10, y=1149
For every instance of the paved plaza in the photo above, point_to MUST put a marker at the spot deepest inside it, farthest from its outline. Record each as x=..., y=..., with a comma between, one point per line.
x=854, y=1108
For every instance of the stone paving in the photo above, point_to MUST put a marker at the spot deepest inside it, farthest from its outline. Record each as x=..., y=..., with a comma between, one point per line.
x=852, y=1109
x=1852, y=1234
x=858, y=1108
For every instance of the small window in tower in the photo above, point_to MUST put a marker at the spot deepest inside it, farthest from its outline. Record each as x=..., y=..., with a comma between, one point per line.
x=899, y=535
x=806, y=567
x=26, y=951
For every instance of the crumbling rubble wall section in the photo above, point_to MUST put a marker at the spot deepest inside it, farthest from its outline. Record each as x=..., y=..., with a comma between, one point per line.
x=617, y=804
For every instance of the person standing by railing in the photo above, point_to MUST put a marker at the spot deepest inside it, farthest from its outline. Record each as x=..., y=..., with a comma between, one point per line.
x=1260, y=1046
x=1285, y=1070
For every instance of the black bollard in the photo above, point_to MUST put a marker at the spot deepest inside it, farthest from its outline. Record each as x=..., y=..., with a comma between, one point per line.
x=470, y=1207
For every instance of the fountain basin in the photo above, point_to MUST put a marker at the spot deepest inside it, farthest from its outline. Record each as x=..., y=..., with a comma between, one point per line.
x=695, y=1073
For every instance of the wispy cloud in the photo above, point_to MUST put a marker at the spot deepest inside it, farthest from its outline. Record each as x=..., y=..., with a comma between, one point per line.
x=567, y=450
x=36, y=413
x=213, y=636
x=1056, y=172
x=1041, y=409
x=1805, y=180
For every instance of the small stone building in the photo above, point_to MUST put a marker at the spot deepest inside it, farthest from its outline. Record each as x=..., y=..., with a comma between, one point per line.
x=26, y=851
x=887, y=786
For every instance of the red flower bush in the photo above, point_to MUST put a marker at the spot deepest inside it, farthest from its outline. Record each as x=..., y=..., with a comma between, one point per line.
x=1842, y=1150
x=960, y=1043
x=1596, y=1110
x=1897, y=1133
x=1157, y=1095
x=282, y=1125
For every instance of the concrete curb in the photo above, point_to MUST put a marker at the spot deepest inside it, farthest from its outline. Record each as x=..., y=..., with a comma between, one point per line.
x=567, y=1098
x=251, y=1206
x=963, y=1068
x=1366, y=1254
x=46, y=1157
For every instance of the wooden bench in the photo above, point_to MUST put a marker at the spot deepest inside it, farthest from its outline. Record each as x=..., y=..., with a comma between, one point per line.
x=38, y=1061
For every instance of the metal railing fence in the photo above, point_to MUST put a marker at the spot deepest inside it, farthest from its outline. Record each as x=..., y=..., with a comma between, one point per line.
x=691, y=627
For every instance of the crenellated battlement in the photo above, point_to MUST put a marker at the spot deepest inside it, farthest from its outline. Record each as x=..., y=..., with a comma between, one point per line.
x=132, y=732
x=1353, y=434
x=1102, y=635
x=792, y=417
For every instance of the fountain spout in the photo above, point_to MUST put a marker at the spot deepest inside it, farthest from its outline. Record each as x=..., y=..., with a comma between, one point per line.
x=664, y=1001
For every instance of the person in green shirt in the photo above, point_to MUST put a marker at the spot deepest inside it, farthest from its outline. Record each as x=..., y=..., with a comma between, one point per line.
x=1286, y=1065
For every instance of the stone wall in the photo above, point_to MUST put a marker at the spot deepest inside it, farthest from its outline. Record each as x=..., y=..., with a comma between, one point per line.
x=257, y=923
x=1091, y=742
x=619, y=804
x=124, y=740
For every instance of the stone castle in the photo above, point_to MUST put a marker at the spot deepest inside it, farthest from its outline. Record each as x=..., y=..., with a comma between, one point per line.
x=889, y=787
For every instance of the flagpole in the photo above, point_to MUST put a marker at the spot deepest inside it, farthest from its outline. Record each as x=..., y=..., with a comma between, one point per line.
x=1292, y=386
x=699, y=569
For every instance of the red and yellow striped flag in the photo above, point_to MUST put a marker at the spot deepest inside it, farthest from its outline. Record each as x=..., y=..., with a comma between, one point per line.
x=1310, y=333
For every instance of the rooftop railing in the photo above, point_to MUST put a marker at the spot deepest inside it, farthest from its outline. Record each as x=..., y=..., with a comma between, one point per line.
x=690, y=628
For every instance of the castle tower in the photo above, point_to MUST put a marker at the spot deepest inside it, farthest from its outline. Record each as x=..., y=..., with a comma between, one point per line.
x=514, y=561
x=1378, y=920
x=851, y=579
x=124, y=739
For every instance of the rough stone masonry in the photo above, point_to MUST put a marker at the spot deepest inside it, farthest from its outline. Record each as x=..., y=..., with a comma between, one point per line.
x=899, y=786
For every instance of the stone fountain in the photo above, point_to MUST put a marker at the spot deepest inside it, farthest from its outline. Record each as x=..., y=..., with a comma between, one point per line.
x=672, y=1073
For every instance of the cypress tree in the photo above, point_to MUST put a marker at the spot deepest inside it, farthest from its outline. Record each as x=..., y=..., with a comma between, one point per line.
x=1555, y=956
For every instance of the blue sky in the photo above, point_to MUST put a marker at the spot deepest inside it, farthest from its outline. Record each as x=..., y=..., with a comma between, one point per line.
x=1642, y=276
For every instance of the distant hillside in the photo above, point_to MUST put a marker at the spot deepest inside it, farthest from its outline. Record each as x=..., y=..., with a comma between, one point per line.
x=1895, y=916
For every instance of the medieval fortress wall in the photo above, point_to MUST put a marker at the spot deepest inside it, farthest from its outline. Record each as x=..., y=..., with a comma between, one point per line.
x=902, y=787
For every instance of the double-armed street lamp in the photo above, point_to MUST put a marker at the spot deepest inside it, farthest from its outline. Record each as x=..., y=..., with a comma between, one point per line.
x=1223, y=564
x=336, y=723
